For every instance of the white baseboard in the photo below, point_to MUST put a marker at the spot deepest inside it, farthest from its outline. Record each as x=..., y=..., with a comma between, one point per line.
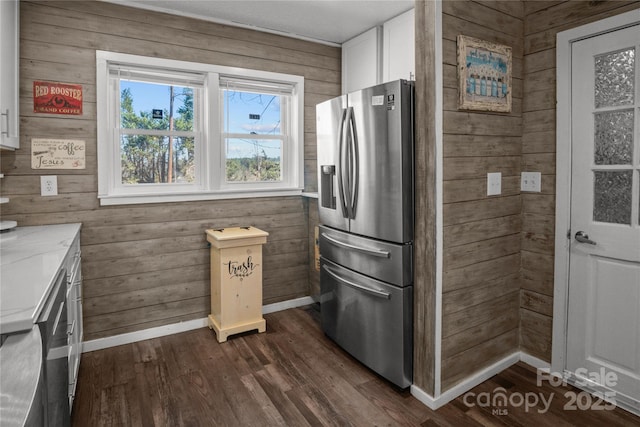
x=480, y=377
x=160, y=331
x=283, y=305
x=535, y=362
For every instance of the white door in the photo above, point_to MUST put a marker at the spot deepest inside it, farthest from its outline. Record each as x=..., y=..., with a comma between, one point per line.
x=603, y=324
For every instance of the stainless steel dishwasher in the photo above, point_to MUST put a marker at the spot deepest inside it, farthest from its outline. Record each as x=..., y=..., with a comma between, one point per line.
x=53, y=328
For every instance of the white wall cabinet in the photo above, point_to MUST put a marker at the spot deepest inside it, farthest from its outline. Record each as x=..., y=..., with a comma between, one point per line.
x=9, y=74
x=361, y=61
x=380, y=55
x=398, y=51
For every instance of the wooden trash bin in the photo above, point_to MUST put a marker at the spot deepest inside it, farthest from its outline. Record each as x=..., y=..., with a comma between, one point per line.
x=236, y=280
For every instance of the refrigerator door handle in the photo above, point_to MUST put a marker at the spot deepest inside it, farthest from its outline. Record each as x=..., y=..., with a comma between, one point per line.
x=374, y=292
x=341, y=189
x=354, y=165
x=368, y=251
x=347, y=152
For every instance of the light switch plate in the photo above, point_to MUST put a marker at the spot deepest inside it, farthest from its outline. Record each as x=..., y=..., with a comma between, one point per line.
x=49, y=185
x=494, y=183
x=531, y=181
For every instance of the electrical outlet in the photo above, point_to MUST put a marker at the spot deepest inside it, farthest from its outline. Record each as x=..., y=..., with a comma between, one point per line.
x=531, y=181
x=49, y=185
x=494, y=183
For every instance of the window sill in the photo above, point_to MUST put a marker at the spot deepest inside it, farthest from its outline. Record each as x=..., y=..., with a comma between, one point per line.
x=192, y=197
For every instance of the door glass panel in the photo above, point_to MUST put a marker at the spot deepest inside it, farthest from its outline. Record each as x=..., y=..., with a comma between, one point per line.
x=614, y=137
x=612, y=196
x=614, y=77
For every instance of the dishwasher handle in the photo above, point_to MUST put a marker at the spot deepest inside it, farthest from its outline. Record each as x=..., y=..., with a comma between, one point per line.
x=374, y=292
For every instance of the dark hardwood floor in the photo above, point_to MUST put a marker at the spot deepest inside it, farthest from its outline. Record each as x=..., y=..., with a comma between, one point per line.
x=292, y=375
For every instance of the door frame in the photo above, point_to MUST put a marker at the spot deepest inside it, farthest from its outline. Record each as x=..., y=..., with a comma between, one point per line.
x=564, y=42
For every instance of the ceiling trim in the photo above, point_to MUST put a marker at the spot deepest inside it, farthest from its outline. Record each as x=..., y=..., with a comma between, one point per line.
x=220, y=21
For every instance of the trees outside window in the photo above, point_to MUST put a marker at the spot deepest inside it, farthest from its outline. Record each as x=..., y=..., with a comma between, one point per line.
x=173, y=130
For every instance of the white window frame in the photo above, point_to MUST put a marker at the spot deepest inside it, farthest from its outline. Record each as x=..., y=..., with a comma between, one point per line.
x=209, y=152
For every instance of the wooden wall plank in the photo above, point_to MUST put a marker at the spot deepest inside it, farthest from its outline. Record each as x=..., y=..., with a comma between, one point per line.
x=540, y=162
x=540, y=100
x=539, y=121
x=539, y=203
x=480, y=273
x=531, y=7
x=536, y=322
x=484, y=229
x=457, y=145
x=540, y=40
x=464, y=190
x=456, y=368
x=424, y=354
x=463, y=299
x=459, y=213
x=473, y=253
x=479, y=13
x=536, y=302
x=478, y=314
x=106, y=286
x=568, y=14
x=513, y=8
x=535, y=344
x=539, y=142
x=476, y=167
x=505, y=321
x=539, y=61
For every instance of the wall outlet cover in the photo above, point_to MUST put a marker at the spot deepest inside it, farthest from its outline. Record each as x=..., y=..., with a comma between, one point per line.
x=531, y=181
x=494, y=183
x=49, y=185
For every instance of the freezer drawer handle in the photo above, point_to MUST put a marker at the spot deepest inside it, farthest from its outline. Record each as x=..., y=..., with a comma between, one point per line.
x=374, y=252
x=373, y=292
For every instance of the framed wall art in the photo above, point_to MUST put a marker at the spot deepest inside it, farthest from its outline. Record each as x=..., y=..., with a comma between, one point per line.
x=484, y=75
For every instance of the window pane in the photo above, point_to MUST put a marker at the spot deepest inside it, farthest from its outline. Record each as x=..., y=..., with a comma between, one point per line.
x=614, y=79
x=155, y=106
x=612, y=197
x=253, y=160
x=150, y=160
x=251, y=113
x=614, y=138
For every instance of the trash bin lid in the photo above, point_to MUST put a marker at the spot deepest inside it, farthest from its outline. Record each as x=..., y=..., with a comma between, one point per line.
x=236, y=236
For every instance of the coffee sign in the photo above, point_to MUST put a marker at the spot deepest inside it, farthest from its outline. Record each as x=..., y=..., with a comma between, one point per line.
x=57, y=154
x=57, y=98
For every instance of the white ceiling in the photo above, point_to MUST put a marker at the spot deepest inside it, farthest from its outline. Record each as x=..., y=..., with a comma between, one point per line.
x=328, y=21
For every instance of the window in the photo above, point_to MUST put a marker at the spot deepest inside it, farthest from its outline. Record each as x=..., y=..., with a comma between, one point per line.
x=173, y=131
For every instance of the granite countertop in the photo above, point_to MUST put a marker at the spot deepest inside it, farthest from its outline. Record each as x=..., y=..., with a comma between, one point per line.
x=30, y=258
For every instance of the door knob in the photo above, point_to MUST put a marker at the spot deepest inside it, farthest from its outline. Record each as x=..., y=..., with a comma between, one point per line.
x=583, y=237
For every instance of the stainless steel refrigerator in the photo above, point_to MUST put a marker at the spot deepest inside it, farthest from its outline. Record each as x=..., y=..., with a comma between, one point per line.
x=365, y=179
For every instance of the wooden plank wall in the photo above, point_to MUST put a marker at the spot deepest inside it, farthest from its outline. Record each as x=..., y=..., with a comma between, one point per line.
x=424, y=289
x=481, y=259
x=148, y=265
x=543, y=20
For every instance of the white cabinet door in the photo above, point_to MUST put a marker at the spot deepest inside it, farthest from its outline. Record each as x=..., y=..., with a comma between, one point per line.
x=361, y=62
x=398, y=53
x=9, y=81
